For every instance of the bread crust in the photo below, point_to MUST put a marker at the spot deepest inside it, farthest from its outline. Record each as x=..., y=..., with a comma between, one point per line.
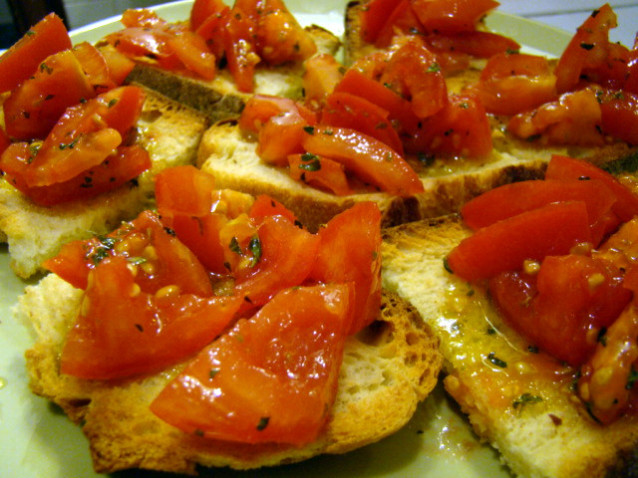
x=387, y=370
x=547, y=432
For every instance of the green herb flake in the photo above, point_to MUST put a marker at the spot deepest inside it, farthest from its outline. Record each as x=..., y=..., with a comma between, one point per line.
x=255, y=248
x=309, y=129
x=213, y=372
x=434, y=68
x=234, y=246
x=446, y=266
x=496, y=361
x=632, y=379
x=525, y=399
x=263, y=423
x=46, y=68
x=113, y=102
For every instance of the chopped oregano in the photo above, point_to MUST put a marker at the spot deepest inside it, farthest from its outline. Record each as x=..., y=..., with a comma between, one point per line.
x=213, y=372
x=255, y=248
x=526, y=399
x=263, y=423
x=632, y=379
x=446, y=265
x=309, y=129
x=234, y=246
x=496, y=361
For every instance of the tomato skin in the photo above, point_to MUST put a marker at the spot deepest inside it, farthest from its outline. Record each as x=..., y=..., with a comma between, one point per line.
x=94, y=66
x=451, y=16
x=122, y=332
x=402, y=20
x=322, y=73
x=123, y=165
x=566, y=168
x=34, y=107
x=587, y=48
x=21, y=60
x=118, y=64
x=506, y=244
x=184, y=190
x=280, y=38
x=350, y=251
x=355, y=82
x=574, y=119
x=370, y=159
x=515, y=198
x=202, y=10
x=374, y=16
x=193, y=52
x=241, y=54
x=461, y=128
x=346, y=110
x=479, y=44
x=287, y=256
x=619, y=114
x=559, y=310
x=270, y=392
x=413, y=73
x=281, y=136
x=319, y=172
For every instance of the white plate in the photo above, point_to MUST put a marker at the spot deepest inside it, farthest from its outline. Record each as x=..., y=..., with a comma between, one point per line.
x=37, y=441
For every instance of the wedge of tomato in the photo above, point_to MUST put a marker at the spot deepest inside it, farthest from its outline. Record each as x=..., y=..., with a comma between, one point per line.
x=21, y=60
x=204, y=9
x=619, y=114
x=122, y=332
x=322, y=72
x=95, y=67
x=476, y=43
x=401, y=20
x=161, y=259
x=512, y=199
x=350, y=251
x=346, y=110
x=238, y=32
x=451, y=16
x=370, y=159
x=320, y=172
x=123, y=165
x=460, y=129
x=566, y=168
x=565, y=306
x=34, y=107
x=282, y=256
x=256, y=384
x=505, y=245
x=374, y=16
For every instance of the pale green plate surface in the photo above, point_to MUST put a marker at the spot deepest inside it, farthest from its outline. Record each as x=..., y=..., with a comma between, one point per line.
x=36, y=441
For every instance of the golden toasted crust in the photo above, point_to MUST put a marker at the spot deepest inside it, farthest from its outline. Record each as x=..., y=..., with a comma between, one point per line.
x=534, y=420
x=170, y=132
x=387, y=369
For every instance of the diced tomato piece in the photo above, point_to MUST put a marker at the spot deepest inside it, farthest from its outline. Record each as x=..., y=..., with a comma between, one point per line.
x=281, y=136
x=621, y=248
x=184, y=190
x=265, y=206
x=399, y=109
x=241, y=53
x=346, y=110
x=141, y=17
x=123, y=332
x=574, y=119
x=202, y=10
x=478, y=44
x=451, y=16
x=162, y=259
x=589, y=47
x=124, y=164
x=512, y=199
x=504, y=246
x=211, y=30
x=413, y=73
x=321, y=74
x=369, y=159
x=279, y=37
x=256, y=384
x=350, y=251
x=460, y=129
x=94, y=66
x=374, y=16
x=565, y=168
x=34, y=107
x=119, y=65
x=402, y=20
x=21, y=60
x=619, y=110
x=282, y=257
x=319, y=172
x=562, y=309
x=192, y=51
x=5, y=141
x=513, y=83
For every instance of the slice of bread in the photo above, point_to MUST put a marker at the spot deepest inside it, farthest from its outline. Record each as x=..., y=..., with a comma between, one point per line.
x=169, y=131
x=516, y=400
x=219, y=99
x=387, y=370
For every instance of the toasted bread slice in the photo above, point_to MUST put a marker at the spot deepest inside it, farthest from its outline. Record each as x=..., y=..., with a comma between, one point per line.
x=532, y=417
x=219, y=99
x=387, y=370
x=169, y=131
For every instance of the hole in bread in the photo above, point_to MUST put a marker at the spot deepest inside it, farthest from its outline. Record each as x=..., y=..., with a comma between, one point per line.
x=375, y=334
